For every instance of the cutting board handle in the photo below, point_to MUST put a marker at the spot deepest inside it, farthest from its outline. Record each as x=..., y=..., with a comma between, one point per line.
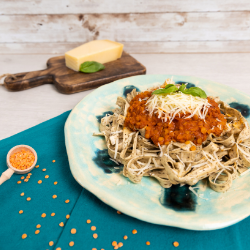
x=27, y=80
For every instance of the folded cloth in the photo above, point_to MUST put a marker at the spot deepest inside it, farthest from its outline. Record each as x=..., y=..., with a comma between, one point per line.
x=82, y=221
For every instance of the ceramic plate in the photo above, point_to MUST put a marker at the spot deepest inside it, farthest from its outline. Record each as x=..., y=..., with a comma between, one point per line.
x=148, y=201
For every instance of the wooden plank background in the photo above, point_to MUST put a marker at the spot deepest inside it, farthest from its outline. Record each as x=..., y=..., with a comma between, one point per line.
x=181, y=26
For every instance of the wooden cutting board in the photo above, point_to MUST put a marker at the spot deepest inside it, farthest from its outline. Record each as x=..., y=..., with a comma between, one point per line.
x=68, y=81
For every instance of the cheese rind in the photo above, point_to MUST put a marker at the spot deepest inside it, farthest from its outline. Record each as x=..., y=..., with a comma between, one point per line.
x=101, y=51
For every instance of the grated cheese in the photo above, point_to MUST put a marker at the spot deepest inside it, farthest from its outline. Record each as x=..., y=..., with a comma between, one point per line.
x=116, y=132
x=167, y=106
x=114, y=161
x=192, y=189
x=243, y=152
x=244, y=145
x=116, y=147
x=199, y=165
x=218, y=175
x=156, y=164
x=180, y=160
x=161, y=154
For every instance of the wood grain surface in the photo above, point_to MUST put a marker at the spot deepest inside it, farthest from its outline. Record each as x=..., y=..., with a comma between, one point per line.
x=174, y=47
x=114, y=6
x=159, y=32
x=68, y=81
x=147, y=27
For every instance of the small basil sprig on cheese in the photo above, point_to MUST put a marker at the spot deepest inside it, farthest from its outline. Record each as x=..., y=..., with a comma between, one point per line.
x=171, y=88
x=91, y=67
x=194, y=91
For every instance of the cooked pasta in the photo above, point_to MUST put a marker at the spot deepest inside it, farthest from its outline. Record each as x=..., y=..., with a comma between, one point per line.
x=220, y=156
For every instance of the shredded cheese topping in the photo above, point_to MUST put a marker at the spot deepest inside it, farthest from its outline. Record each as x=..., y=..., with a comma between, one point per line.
x=170, y=105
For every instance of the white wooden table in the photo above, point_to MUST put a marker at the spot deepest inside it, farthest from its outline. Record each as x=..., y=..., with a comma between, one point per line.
x=22, y=110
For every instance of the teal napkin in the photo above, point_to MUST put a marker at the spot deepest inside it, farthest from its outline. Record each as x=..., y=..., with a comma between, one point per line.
x=106, y=224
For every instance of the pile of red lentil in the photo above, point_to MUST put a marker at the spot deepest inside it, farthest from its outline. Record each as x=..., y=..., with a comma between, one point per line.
x=22, y=159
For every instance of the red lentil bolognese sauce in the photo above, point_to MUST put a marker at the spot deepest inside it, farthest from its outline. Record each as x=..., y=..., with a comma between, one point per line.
x=180, y=129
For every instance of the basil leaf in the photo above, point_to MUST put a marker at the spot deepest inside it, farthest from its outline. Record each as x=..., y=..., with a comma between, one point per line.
x=182, y=87
x=168, y=86
x=166, y=91
x=195, y=91
x=91, y=67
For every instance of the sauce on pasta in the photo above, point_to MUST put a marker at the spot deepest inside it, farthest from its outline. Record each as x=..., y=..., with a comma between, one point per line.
x=180, y=129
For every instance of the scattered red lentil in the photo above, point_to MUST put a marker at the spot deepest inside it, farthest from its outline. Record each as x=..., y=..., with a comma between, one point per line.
x=52, y=214
x=114, y=243
x=88, y=221
x=22, y=177
x=38, y=226
x=134, y=231
x=55, y=183
x=28, y=199
x=54, y=161
x=93, y=228
x=26, y=180
x=120, y=244
x=116, y=247
x=125, y=237
x=28, y=176
x=43, y=215
x=94, y=249
x=46, y=176
x=37, y=166
x=39, y=182
x=59, y=248
x=61, y=224
x=24, y=236
x=54, y=196
x=22, y=194
x=148, y=243
x=71, y=244
x=37, y=231
x=193, y=148
x=176, y=244
x=29, y=173
x=22, y=159
x=118, y=212
x=73, y=231
x=44, y=169
x=21, y=211
x=19, y=182
x=67, y=216
x=95, y=236
x=51, y=243
x=67, y=201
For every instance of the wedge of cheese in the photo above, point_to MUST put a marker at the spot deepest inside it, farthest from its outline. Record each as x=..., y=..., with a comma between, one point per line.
x=101, y=51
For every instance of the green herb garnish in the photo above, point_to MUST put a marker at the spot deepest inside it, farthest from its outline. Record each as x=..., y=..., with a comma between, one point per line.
x=171, y=88
x=168, y=90
x=194, y=91
x=91, y=67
